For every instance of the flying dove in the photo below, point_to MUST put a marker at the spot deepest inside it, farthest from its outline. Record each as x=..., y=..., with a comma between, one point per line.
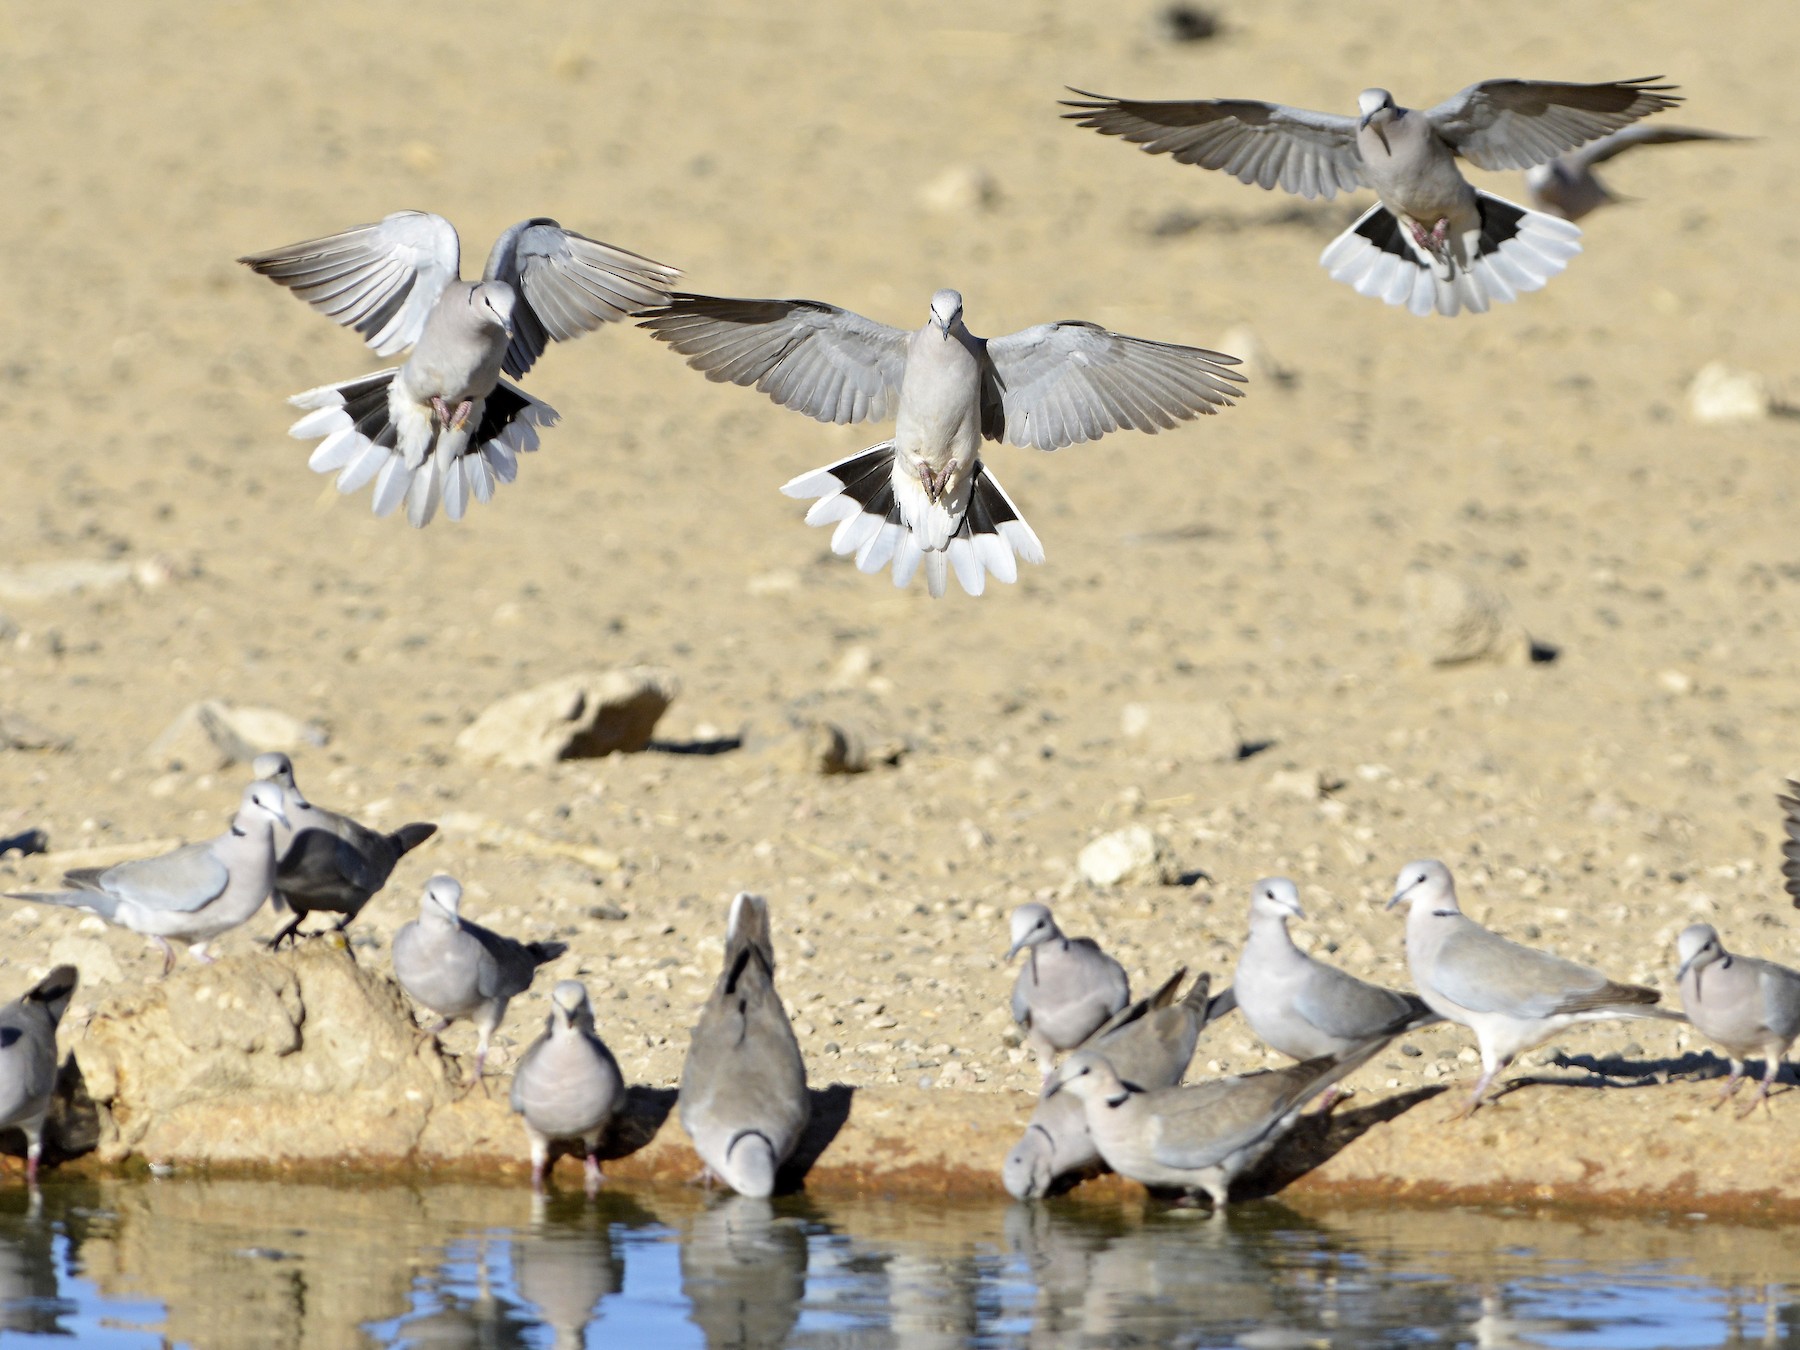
x=743, y=1084
x=567, y=1084
x=460, y=969
x=1511, y=997
x=1066, y=988
x=28, y=1061
x=326, y=861
x=192, y=894
x=1567, y=186
x=1746, y=1005
x=1790, y=848
x=925, y=495
x=1434, y=241
x=445, y=427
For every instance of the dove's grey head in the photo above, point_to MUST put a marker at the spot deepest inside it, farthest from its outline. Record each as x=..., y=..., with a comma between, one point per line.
x=1698, y=947
x=570, y=999
x=1026, y=1172
x=260, y=809
x=1031, y=924
x=1426, y=883
x=277, y=768
x=442, y=899
x=1275, y=898
x=1376, y=106
x=946, y=310
x=1086, y=1074
x=494, y=301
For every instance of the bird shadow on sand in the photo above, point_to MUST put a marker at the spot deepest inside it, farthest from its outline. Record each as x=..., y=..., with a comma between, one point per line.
x=830, y=1111
x=646, y=1108
x=1320, y=1137
x=1616, y=1072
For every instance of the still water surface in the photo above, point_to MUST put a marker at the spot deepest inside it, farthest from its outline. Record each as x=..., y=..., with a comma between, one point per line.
x=235, y=1264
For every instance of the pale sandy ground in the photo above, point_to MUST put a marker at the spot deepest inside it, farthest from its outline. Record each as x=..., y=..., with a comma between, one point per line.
x=1594, y=805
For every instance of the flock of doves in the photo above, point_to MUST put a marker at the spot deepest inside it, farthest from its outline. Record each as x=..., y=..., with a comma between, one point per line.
x=447, y=427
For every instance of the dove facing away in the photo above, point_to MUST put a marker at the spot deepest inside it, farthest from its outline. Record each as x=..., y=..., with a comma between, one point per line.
x=1198, y=1136
x=743, y=1095
x=457, y=968
x=1067, y=987
x=925, y=496
x=567, y=1084
x=444, y=427
x=192, y=894
x=1300, y=1006
x=326, y=861
x=1150, y=1044
x=1567, y=186
x=1745, y=1005
x=28, y=1061
x=1434, y=241
x=1512, y=997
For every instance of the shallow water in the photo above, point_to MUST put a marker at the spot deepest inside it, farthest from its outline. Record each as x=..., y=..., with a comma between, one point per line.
x=236, y=1263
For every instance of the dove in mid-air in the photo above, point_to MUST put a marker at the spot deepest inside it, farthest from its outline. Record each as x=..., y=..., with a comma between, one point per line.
x=1567, y=186
x=1433, y=242
x=445, y=427
x=925, y=496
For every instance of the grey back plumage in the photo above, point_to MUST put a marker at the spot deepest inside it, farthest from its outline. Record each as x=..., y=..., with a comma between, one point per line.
x=1067, y=987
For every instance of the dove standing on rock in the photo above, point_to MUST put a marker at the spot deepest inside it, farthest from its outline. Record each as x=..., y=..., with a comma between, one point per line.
x=192, y=894
x=1567, y=186
x=567, y=1085
x=925, y=496
x=1434, y=241
x=28, y=1061
x=1511, y=997
x=444, y=427
x=1149, y=1045
x=1746, y=1005
x=743, y=1084
x=1201, y=1136
x=460, y=969
x=1066, y=988
x=326, y=861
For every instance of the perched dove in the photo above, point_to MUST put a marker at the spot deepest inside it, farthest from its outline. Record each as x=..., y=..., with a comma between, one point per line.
x=28, y=1060
x=1298, y=1005
x=444, y=426
x=325, y=861
x=193, y=894
x=1567, y=186
x=1149, y=1044
x=460, y=969
x=1066, y=988
x=1746, y=1005
x=1200, y=1136
x=1433, y=242
x=926, y=495
x=567, y=1085
x=743, y=1084
x=1511, y=997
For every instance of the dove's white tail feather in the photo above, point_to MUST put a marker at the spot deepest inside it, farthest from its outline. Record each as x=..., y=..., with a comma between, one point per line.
x=869, y=503
x=1515, y=250
x=371, y=433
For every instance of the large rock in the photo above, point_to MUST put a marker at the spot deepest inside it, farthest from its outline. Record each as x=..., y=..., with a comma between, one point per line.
x=1136, y=855
x=580, y=716
x=1454, y=619
x=1202, y=732
x=213, y=734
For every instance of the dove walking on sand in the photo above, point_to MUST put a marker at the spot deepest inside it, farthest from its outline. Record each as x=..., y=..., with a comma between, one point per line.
x=326, y=861
x=743, y=1095
x=1067, y=987
x=1567, y=186
x=1743, y=1004
x=28, y=1063
x=192, y=894
x=1433, y=241
x=925, y=496
x=445, y=427
x=1512, y=997
x=460, y=969
x=567, y=1085
x=1149, y=1044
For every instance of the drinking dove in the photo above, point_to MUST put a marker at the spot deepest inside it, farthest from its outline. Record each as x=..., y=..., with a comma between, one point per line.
x=460, y=969
x=1511, y=997
x=1066, y=988
x=1745, y=1005
x=326, y=861
x=1567, y=186
x=925, y=495
x=567, y=1085
x=1433, y=241
x=28, y=1061
x=1150, y=1044
x=1199, y=1136
x=194, y=893
x=444, y=426
x=743, y=1084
